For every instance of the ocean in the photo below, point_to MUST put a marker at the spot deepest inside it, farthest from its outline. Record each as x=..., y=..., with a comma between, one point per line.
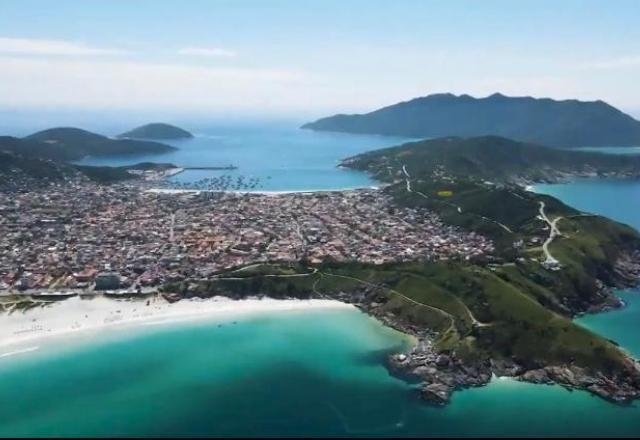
x=312, y=373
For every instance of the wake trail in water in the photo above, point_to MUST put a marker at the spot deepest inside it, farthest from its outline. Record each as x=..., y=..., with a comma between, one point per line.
x=21, y=351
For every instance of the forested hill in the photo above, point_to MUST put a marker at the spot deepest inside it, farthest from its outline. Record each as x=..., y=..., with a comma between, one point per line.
x=490, y=158
x=68, y=143
x=157, y=131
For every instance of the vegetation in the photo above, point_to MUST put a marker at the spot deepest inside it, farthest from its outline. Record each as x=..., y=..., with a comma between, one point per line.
x=476, y=312
x=34, y=149
x=157, y=131
x=488, y=158
x=35, y=168
x=568, y=123
x=14, y=167
x=73, y=143
x=44, y=155
x=588, y=248
x=106, y=174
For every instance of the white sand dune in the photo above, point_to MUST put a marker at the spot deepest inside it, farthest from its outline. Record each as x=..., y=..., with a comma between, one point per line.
x=25, y=329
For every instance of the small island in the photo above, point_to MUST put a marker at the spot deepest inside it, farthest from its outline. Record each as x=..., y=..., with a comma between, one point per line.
x=157, y=130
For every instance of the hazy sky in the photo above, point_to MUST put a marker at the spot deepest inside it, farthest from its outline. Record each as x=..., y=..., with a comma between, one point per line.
x=311, y=57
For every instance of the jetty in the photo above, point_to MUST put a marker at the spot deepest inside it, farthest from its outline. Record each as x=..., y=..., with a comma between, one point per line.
x=228, y=167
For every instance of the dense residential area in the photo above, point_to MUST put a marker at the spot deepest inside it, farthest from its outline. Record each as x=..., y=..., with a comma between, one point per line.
x=79, y=235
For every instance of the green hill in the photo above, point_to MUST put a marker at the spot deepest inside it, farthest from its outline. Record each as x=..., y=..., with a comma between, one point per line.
x=568, y=123
x=490, y=158
x=66, y=143
x=12, y=166
x=157, y=131
x=16, y=169
x=31, y=148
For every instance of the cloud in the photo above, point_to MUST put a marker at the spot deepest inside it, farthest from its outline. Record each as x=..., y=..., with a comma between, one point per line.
x=207, y=52
x=48, y=47
x=127, y=84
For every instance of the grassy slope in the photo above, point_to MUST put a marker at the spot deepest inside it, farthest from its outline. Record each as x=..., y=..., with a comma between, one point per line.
x=588, y=248
x=445, y=298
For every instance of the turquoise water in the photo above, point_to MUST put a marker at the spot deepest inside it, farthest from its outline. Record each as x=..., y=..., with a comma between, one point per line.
x=617, y=199
x=282, y=157
x=300, y=373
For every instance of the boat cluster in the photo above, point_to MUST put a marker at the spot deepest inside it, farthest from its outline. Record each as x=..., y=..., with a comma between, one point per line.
x=221, y=183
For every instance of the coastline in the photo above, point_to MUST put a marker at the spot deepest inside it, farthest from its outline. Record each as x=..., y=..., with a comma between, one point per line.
x=263, y=193
x=442, y=373
x=23, y=330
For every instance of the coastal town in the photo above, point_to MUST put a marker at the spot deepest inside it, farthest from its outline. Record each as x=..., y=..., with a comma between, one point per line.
x=79, y=236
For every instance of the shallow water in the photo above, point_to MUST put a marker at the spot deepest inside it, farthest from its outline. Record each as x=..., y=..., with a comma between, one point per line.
x=299, y=373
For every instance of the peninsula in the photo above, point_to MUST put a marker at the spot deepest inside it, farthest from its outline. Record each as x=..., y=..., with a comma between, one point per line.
x=491, y=158
x=484, y=274
x=566, y=123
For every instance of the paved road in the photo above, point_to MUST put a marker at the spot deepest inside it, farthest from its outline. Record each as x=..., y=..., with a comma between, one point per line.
x=406, y=173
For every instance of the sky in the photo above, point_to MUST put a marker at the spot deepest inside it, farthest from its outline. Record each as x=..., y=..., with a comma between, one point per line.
x=310, y=58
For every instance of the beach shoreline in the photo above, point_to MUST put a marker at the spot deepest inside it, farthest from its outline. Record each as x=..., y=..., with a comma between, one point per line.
x=257, y=192
x=24, y=330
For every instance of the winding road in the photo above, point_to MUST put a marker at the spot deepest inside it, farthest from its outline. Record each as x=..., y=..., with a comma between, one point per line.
x=553, y=233
x=458, y=208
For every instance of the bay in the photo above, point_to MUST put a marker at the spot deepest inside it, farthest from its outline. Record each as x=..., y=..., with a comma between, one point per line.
x=282, y=156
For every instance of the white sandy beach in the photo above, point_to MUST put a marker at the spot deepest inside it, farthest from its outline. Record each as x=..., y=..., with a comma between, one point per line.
x=258, y=192
x=23, y=331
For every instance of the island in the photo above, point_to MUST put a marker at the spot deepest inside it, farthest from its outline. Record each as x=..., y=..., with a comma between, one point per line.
x=157, y=130
x=564, y=123
x=68, y=143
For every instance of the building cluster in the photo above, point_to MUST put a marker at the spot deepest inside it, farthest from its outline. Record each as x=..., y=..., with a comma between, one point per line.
x=85, y=236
